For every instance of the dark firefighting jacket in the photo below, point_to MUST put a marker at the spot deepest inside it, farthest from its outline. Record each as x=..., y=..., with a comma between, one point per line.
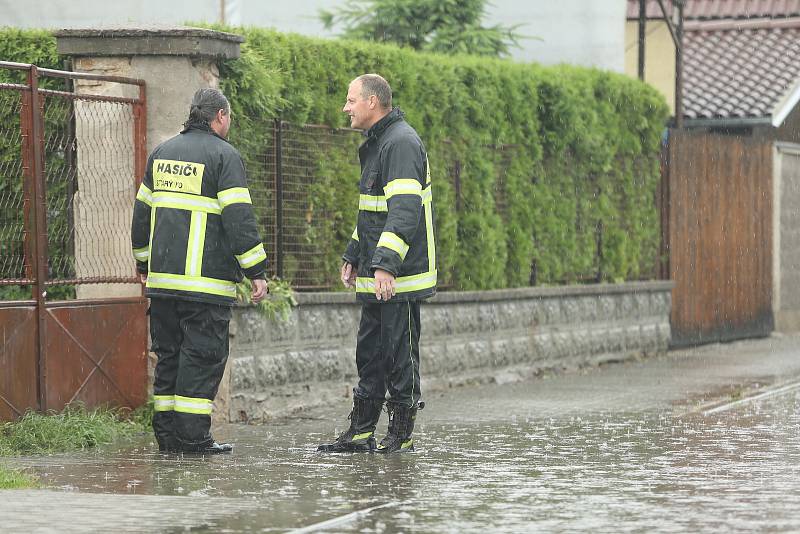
x=194, y=232
x=394, y=231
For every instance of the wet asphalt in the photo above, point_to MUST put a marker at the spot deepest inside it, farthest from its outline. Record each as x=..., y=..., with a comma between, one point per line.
x=702, y=440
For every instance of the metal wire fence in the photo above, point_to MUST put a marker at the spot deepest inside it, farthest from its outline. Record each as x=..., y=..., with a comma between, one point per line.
x=69, y=159
x=12, y=198
x=90, y=182
x=90, y=151
x=286, y=179
x=291, y=181
x=301, y=211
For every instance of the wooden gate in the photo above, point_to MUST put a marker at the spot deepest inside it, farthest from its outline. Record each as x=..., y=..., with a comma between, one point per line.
x=719, y=236
x=69, y=162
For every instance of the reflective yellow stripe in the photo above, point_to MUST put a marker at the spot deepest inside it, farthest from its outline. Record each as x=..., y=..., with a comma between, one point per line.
x=195, y=245
x=407, y=444
x=252, y=256
x=427, y=196
x=378, y=203
x=145, y=195
x=180, y=282
x=372, y=203
x=427, y=170
x=393, y=242
x=403, y=284
x=152, y=228
x=183, y=201
x=402, y=186
x=141, y=254
x=163, y=403
x=355, y=233
x=193, y=405
x=429, y=227
x=427, y=202
x=365, y=435
x=234, y=195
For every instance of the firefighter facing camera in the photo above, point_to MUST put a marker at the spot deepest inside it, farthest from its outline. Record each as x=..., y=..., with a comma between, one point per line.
x=391, y=262
x=194, y=238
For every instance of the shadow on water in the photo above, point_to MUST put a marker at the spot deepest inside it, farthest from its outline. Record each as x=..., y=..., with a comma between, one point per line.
x=613, y=472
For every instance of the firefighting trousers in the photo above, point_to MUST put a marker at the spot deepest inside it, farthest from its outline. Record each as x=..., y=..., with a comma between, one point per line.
x=191, y=342
x=387, y=352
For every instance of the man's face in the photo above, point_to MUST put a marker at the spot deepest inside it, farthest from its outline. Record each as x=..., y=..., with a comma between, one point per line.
x=225, y=120
x=221, y=123
x=361, y=110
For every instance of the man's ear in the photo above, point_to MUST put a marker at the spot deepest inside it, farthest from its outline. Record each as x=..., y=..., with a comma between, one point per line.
x=373, y=101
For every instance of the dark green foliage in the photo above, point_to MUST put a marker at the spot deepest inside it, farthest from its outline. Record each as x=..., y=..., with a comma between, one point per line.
x=28, y=46
x=448, y=27
x=39, y=48
x=553, y=160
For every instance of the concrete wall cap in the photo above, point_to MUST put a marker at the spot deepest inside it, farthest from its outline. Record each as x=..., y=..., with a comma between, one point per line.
x=658, y=286
x=151, y=41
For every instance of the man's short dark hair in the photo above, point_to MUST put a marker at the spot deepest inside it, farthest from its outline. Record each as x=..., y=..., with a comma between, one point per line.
x=205, y=104
x=375, y=84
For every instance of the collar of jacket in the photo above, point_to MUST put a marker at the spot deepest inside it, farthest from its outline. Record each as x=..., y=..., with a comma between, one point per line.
x=201, y=128
x=390, y=118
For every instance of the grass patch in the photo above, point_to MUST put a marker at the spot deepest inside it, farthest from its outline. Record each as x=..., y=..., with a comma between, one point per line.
x=75, y=428
x=13, y=479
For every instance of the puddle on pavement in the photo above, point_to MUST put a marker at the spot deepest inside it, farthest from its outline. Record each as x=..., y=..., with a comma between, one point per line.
x=611, y=472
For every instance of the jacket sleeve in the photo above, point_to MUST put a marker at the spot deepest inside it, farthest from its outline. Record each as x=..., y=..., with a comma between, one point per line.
x=403, y=169
x=140, y=227
x=238, y=218
x=351, y=252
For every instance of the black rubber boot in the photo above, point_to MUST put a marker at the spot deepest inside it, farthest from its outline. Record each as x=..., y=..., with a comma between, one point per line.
x=401, y=426
x=167, y=444
x=211, y=447
x=218, y=448
x=360, y=437
x=163, y=424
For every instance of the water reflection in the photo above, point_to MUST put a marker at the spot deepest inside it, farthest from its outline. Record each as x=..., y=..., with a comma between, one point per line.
x=612, y=471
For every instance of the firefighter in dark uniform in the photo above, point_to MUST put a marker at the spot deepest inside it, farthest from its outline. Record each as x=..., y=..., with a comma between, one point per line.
x=391, y=261
x=194, y=237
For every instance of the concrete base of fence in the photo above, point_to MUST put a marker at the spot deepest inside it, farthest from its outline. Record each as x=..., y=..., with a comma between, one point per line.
x=787, y=321
x=279, y=369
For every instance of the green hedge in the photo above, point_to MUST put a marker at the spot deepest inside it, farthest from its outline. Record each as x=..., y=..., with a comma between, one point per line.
x=581, y=168
x=570, y=153
x=37, y=47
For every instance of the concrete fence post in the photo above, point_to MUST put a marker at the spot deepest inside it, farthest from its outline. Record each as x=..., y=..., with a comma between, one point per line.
x=174, y=63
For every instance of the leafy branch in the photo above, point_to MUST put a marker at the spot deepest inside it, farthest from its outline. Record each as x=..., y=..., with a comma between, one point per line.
x=278, y=303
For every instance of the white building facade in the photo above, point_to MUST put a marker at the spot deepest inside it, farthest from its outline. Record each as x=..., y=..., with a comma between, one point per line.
x=581, y=32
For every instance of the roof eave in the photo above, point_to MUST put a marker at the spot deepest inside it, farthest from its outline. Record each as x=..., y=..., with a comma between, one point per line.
x=727, y=121
x=785, y=105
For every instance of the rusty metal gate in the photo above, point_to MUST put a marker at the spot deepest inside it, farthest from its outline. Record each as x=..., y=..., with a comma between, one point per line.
x=718, y=199
x=72, y=314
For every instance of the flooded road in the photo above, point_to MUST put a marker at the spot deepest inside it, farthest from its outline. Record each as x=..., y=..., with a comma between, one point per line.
x=677, y=444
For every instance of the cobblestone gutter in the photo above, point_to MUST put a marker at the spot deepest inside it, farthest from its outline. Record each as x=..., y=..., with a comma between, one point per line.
x=484, y=336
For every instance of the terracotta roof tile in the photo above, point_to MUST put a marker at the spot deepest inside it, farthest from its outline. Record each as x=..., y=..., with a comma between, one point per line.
x=721, y=9
x=739, y=73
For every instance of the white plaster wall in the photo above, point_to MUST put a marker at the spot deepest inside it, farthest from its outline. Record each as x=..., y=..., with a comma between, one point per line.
x=786, y=236
x=581, y=32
